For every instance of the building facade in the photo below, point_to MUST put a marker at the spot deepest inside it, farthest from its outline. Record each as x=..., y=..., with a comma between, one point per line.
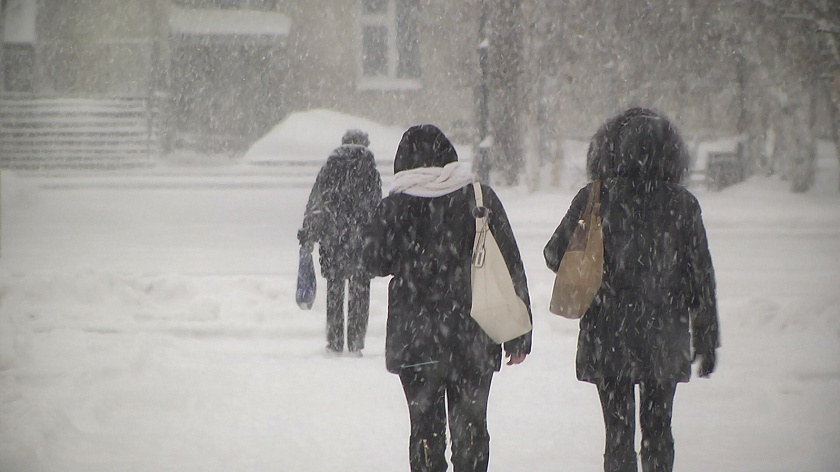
x=218, y=74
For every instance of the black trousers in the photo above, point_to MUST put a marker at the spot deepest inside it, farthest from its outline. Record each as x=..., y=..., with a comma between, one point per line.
x=434, y=392
x=358, y=311
x=618, y=403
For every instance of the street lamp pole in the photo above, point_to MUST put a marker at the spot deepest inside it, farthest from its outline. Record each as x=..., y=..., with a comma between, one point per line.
x=481, y=161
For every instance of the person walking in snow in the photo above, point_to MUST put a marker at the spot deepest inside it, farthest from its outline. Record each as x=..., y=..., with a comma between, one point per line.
x=345, y=195
x=423, y=236
x=657, y=298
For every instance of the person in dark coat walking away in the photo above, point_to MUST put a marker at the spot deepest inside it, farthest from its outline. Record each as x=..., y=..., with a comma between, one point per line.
x=423, y=236
x=345, y=195
x=657, y=298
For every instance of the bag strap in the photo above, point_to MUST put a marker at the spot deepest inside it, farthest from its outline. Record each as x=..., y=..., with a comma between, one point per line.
x=481, y=228
x=479, y=198
x=594, y=199
x=480, y=211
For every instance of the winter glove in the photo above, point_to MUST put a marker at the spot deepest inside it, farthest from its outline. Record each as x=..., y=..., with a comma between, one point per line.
x=707, y=363
x=305, y=242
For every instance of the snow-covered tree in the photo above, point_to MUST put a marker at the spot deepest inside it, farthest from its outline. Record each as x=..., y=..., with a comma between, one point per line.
x=718, y=68
x=807, y=34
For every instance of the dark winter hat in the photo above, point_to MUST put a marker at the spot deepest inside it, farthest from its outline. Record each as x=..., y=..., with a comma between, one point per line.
x=423, y=146
x=639, y=144
x=355, y=136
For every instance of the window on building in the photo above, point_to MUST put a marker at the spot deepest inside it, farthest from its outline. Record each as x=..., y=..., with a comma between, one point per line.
x=230, y=4
x=375, y=6
x=17, y=73
x=375, y=46
x=17, y=41
x=390, y=46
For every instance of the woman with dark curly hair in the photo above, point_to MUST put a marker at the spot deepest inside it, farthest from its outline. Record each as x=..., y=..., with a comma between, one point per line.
x=657, y=297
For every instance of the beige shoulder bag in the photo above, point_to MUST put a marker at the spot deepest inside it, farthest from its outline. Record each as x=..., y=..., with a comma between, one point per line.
x=582, y=267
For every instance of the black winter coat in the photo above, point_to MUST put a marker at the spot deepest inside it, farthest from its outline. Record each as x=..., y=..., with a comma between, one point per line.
x=426, y=244
x=658, y=283
x=345, y=195
x=658, y=291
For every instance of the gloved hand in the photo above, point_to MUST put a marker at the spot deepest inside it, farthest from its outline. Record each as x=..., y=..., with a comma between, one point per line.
x=305, y=241
x=707, y=362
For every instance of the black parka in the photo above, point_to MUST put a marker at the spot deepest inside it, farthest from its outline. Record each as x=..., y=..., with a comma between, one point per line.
x=426, y=245
x=345, y=195
x=658, y=290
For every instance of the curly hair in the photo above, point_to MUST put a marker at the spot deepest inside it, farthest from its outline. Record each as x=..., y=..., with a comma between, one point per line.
x=355, y=136
x=638, y=144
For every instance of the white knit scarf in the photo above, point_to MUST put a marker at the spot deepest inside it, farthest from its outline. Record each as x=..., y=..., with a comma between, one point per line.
x=430, y=182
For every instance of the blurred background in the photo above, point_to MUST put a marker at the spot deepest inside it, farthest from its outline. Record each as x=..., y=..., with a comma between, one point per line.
x=105, y=83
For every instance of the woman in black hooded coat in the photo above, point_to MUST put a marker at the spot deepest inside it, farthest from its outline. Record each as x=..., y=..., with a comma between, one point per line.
x=423, y=236
x=657, y=297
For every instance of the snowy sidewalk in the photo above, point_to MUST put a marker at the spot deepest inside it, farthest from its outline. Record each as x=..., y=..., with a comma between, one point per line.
x=154, y=329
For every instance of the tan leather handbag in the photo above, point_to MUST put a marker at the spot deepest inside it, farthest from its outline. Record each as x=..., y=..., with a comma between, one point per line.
x=582, y=267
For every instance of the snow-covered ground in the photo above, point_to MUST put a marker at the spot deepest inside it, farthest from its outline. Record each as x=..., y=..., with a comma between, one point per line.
x=148, y=323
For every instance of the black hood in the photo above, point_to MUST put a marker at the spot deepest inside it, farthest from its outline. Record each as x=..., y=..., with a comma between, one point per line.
x=423, y=146
x=638, y=144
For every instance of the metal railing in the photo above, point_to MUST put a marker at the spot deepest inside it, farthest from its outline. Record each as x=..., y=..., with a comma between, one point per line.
x=60, y=132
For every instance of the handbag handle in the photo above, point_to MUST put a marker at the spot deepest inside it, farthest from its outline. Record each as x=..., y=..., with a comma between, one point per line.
x=480, y=211
x=594, y=199
x=480, y=214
